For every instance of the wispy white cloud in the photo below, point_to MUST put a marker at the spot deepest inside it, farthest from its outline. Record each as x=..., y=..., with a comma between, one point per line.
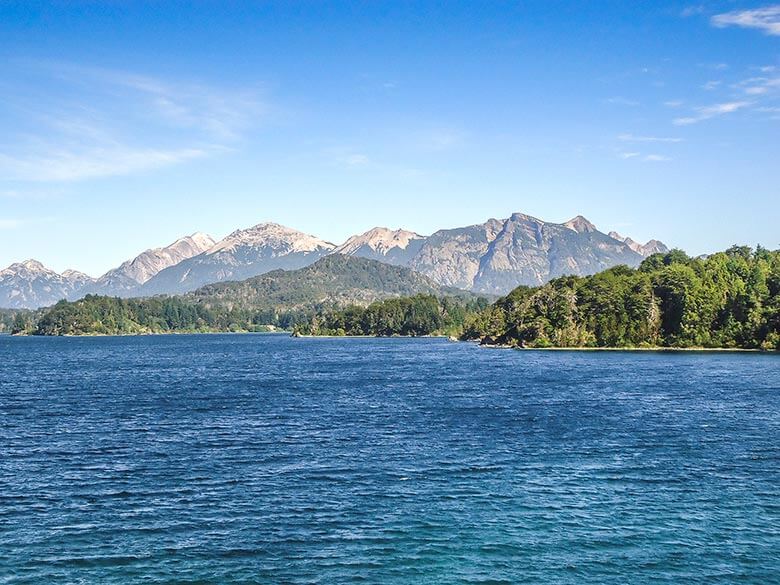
x=692, y=10
x=638, y=156
x=621, y=101
x=710, y=85
x=673, y=103
x=16, y=223
x=223, y=113
x=634, y=138
x=773, y=111
x=120, y=123
x=10, y=224
x=441, y=139
x=30, y=194
x=757, y=86
x=713, y=111
x=355, y=160
x=766, y=19
x=87, y=163
x=348, y=157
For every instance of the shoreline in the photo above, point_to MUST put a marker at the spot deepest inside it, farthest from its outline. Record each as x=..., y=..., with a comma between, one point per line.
x=152, y=334
x=657, y=349
x=654, y=349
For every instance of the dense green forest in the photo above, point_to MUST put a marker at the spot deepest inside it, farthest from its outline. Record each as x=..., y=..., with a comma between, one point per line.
x=17, y=320
x=418, y=315
x=729, y=300
x=97, y=315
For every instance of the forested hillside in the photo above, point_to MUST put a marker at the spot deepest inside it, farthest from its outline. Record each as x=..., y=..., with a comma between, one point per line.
x=335, y=280
x=729, y=300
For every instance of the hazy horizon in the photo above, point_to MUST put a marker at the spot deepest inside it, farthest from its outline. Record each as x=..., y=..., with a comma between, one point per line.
x=127, y=126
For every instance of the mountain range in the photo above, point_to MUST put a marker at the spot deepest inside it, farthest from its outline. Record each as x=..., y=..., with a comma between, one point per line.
x=280, y=298
x=490, y=258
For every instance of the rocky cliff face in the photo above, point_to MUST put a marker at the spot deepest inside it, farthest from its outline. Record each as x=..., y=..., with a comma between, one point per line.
x=531, y=251
x=499, y=255
x=29, y=285
x=452, y=257
x=243, y=254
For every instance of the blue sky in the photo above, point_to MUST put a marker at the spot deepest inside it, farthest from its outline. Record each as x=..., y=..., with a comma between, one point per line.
x=126, y=125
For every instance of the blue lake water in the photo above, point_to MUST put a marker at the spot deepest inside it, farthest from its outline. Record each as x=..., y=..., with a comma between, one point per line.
x=267, y=459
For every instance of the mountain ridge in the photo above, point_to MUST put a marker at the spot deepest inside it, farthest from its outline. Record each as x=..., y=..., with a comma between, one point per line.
x=125, y=279
x=491, y=258
x=242, y=254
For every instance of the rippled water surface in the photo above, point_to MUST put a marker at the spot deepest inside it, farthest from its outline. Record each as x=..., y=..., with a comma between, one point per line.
x=266, y=459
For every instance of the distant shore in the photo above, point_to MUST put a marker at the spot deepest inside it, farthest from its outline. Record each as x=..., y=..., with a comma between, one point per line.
x=154, y=333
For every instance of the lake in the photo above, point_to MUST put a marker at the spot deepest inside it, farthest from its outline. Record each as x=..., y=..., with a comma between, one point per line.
x=268, y=459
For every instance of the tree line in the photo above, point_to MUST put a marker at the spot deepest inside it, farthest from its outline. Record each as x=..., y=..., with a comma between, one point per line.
x=421, y=314
x=100, y=315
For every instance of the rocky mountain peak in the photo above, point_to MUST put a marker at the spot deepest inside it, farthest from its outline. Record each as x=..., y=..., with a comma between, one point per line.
x=28, y=267
x=191, y=245
x=272, y=235
x=380, y=239
x=143, y=267
x=580, y=225
x=648, y=249
x=77, y=277
x=654, y=247
x=525, y=218
x=396, y=247
x=29, y=285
